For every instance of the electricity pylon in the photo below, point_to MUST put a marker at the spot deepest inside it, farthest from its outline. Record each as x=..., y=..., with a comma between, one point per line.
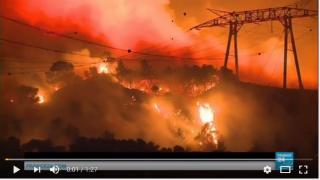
x=235, y=20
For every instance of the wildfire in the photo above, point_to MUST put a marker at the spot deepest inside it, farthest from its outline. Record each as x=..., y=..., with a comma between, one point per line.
x=206, y=114
x=41, y=99
x=103, y=69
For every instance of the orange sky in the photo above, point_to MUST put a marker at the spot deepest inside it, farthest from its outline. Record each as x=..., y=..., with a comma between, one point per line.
x=161, y=27
x=254, y=39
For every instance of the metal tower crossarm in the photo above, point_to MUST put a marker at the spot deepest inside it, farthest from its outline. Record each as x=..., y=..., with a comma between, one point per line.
x=256, y=16
x=235, y=20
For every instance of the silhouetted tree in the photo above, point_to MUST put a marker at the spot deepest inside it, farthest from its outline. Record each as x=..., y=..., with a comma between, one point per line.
x=27, y=94
x=146, y=69
x=226, y=75
x=36, y=145
x=155, y=89
x=10, y=148
x=91, y=72
x=61, y=72
x=146, y=72
x=121, y=70
x=125, y=74
x=178, y=149
x=209, y=75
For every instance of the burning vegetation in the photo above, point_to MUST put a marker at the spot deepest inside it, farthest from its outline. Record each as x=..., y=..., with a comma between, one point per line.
x=194, y=108
x=128, y=103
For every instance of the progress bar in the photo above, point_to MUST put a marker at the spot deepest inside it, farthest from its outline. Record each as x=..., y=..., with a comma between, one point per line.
x=152, y=159
x=151, y=165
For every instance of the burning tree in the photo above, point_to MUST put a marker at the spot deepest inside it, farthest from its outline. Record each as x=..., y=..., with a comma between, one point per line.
x=208, y=135
x=28, y=94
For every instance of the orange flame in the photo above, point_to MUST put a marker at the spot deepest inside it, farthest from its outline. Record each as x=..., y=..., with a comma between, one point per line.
x=41, y=99
x=206, y=113
x=103, y=69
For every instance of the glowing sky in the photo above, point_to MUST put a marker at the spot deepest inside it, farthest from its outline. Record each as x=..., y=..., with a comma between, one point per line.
x=161, y=27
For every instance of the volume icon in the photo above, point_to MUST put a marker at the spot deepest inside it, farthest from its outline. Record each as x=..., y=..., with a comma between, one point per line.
x=55, y=169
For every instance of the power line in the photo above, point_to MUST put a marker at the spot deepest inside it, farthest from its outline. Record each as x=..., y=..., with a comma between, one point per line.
x=31, y=61
x=95, y=43
x=44, y=70
x=40, y=47
x=48, y=67
x=73, y=53
x=57, y=34
x=266, y=63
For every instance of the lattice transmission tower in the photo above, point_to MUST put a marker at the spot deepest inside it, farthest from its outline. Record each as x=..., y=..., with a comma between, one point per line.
x=235, y=20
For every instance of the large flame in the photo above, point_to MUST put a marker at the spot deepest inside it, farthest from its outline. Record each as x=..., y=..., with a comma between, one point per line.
x=103, y=69
x=41, y=99
x=206, y=113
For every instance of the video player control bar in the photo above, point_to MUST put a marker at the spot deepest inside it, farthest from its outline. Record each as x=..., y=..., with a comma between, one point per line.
x=152, y=165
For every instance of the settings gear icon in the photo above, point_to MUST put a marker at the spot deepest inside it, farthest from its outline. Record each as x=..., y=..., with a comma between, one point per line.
x=267, y=169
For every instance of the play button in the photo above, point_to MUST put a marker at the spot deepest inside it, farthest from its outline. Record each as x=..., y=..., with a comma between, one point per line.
x=15, y=169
